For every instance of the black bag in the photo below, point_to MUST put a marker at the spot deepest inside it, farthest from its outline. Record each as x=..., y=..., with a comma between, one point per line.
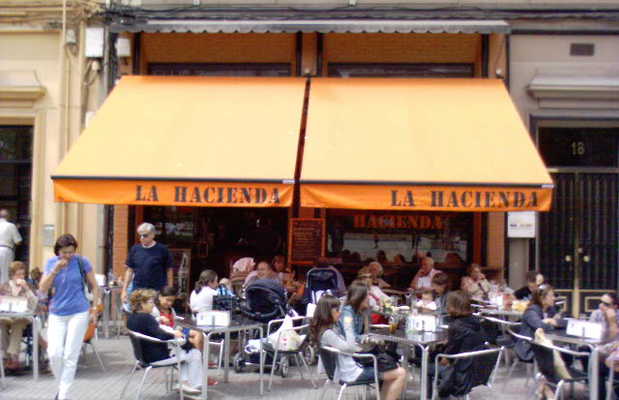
x=385, y=360
x=225, y=302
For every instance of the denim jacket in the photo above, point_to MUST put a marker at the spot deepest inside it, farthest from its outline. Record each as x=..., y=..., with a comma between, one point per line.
x=351, y=324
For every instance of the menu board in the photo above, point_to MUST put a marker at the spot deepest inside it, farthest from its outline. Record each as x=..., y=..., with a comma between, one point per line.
x=306, y=240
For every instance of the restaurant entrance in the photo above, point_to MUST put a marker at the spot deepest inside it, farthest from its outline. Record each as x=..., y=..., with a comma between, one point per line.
x=203, y=237
x=578, y=250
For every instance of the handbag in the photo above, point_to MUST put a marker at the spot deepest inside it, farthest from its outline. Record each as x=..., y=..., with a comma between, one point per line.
x=85, y=283
x=385, y=360
x=225, y=302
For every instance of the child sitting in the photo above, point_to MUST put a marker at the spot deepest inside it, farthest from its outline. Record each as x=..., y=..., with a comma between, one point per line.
x=163, y=311
x=427, y=303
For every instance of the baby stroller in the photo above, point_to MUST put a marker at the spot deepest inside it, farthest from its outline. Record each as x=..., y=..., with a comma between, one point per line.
x=321, y=280
x=265, y=300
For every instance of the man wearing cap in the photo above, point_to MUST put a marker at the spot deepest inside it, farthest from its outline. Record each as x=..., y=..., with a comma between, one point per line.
x=9, y=238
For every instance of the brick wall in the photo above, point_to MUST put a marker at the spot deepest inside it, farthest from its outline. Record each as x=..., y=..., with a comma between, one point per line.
x=119, y=251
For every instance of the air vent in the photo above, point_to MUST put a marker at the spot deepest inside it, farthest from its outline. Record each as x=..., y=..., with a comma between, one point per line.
x=582, y=49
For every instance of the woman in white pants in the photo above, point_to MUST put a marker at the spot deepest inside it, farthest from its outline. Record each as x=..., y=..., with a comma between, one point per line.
x=68, y=309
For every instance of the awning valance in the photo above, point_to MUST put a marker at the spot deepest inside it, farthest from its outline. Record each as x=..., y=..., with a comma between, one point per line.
x=194, y=141
x=419, y=144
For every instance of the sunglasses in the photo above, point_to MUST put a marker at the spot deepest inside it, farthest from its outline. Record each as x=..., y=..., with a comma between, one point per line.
x=144, y=235
x=606, y=304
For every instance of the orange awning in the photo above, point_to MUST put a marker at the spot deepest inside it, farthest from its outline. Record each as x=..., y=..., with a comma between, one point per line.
x=195, y=141
x=419, y=144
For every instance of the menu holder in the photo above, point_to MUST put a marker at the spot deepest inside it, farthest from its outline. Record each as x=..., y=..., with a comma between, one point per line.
x=424, y=323
x=306, y=240
x=213, y=318
x=586, y=329
x=13, y=304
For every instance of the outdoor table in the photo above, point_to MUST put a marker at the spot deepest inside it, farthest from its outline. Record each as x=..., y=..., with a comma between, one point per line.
x=501, y=313
x=35, y=336
x=559, y=335
x=236, y=325
x=423, y=340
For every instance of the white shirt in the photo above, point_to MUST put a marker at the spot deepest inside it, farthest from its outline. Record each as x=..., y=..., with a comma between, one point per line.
x=202, y=301
x=9, y=236
x=425, y=282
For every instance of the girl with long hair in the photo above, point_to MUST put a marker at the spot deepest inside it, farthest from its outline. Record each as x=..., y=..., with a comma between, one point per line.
x=201, y=298
x=325, y=332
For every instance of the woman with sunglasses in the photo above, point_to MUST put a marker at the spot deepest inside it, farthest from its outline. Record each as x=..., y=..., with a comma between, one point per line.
x=607, y=315
x=149, y=264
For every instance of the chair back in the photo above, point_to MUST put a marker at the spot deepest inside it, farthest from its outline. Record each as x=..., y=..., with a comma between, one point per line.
x=544, y=359
x=329, y=362
x=136, y=344
x=484, y=366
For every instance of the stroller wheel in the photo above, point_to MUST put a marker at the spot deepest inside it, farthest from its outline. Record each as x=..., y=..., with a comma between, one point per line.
x=284, y=366
x=239, y=362
x=309, y=354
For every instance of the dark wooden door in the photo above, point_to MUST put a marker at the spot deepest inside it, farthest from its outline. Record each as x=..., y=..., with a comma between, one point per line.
x=578, y=251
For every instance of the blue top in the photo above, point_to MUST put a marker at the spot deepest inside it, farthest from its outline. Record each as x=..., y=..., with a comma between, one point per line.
x=351, y=324
x=68, y=297
x=150, y=266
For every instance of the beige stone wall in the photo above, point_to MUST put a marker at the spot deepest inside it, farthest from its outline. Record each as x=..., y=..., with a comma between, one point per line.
x=56, y=118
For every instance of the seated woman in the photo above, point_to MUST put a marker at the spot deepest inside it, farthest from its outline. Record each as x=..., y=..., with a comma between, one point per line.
x=264, y=270
x=324, y=331
x=475, y=283
x=201, y=298
x=141, y=321
x=464, y=334
x=541, y=313
x=13, y=328
x=607, y=315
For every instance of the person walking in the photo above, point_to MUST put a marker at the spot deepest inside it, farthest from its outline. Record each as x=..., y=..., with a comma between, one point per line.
x=149, y=264
x=9, y=238
x=65, y=274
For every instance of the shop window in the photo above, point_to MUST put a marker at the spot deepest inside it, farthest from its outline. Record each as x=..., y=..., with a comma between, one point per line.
x=220, y=69
x=432, y=70
x=16, y=178
x=401, y=238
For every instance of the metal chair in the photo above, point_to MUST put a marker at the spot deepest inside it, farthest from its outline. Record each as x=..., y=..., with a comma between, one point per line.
x=328, y=357
x=610, y=384
x=90, y=343
x=140, y=363
x=2, y=376
x=529, y=365
x=506, y=340
x=297, y=353
x=483, y=369
x=544, y=358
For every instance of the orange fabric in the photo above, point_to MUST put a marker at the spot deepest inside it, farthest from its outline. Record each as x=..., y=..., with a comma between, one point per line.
x=434, y=198
x=368, y=137
x=181, y=193
x=173, y=131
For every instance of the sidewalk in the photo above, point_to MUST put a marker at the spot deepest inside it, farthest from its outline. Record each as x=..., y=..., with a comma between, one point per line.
x=93, y=384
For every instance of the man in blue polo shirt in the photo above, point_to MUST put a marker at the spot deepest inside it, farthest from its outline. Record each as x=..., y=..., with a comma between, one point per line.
x=149, y=264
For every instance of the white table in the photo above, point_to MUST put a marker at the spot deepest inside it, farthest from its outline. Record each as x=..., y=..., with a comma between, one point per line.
x=423, y=340
x=208, y=331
